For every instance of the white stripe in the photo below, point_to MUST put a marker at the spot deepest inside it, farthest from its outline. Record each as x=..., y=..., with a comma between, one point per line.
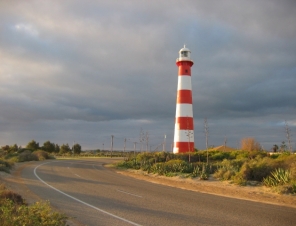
x=129, y=193
x=184, y=110
x=78, y=200
x=182, y=135
x=184, y=82
x=175, y=150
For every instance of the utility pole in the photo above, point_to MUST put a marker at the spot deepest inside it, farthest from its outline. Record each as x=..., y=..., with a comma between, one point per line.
x=147, y=140
x=225, y=141
x=124, y=146
x=206, y=133
x=141, y=139
x=288, y=136
x=164, y=143
x=112, y=145
x=135, y=144
x=188, y=134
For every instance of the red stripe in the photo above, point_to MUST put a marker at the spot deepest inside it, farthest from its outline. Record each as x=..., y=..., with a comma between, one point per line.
x=185, y=146
x=184, y=97
x=185, y=123
x=184, y=67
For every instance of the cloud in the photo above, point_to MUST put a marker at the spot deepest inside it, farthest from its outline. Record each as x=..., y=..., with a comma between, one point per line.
x=101, y=65
x=27, y=29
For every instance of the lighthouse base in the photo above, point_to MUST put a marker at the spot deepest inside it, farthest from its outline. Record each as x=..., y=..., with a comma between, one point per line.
x=183, y=147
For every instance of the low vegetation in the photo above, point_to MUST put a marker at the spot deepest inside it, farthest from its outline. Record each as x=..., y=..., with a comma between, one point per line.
x=15, y=211
x=240, y=167
x=13, y=208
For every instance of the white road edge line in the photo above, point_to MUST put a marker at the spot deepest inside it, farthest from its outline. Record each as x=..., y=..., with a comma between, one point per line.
x=78, y=200
x=77, y=175
x=129, y=193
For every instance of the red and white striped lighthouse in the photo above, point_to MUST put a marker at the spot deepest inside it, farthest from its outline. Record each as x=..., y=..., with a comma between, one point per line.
x=184, y=129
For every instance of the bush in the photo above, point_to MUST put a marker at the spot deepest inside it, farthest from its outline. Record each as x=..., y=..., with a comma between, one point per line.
x=238, y=166
x=280, y=180
x=26, y=156
x=9, y=195
x=260, y=168
x=227, y=169
x=15, y=211
x=239, y=180
x=6, y=165
x=174, y=166
x=278, y=177
x=39, y=213
x=245, y=171
x=40, y=155
x=219, y=156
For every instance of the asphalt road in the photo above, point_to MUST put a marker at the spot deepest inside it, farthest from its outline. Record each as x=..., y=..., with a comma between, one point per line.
x=95, y=195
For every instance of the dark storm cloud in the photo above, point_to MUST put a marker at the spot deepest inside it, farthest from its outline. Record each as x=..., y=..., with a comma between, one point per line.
x=109, y=67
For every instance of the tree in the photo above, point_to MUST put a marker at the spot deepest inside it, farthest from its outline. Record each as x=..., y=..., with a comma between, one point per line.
x=65, y=149
x=48, y=147
x=250, y=144
x=33, y=145
x=275, y=148
x=57, y=148
x=283, y=146
x=13, y=148
x=77, y=149
x=6, y=149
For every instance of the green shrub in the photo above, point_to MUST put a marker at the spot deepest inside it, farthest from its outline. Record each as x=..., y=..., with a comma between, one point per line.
x=39, y=213
x=27, y=156
x=144, y=157
x=238, y=155
x=278, y=177
x=6, y=165
x=40, y=155
x=205, y=172
x=10, y=195
x=219, y=156
x=286, y=161
x=219, y=173
x=15, y=211
x=227, y=169
x=245, y=172
x=129, y=164
x=261, y=167
x=228, y=174
x=224, y=174
x=239, y=179
x=293, y=171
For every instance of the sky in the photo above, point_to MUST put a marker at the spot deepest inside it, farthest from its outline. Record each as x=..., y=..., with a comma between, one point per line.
x=83, y=71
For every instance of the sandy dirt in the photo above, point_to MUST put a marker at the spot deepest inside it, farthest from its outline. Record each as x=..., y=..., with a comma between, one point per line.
x=257, y=193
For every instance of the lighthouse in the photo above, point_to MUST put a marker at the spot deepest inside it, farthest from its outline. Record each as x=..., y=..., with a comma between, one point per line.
x=184, y=129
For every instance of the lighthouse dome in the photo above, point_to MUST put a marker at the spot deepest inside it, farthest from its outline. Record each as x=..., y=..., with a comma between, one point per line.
x=184, y=54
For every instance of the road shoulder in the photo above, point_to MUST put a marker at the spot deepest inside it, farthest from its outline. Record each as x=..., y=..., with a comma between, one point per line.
x=215, y=187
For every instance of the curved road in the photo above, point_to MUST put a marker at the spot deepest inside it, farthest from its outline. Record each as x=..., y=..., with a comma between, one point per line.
x=94, y=195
